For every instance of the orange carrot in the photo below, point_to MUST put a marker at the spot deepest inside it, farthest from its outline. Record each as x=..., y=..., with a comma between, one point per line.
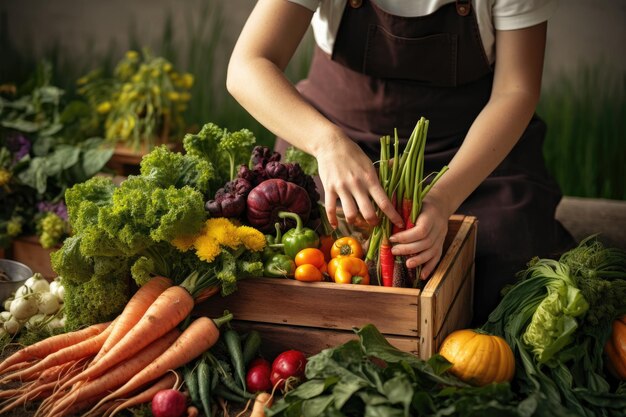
x=52, y=344
x=167, y=311
x=262, y=400
x=85, y=349
x=116, y=376
x=386, y=260
x=201, y=334
x=167, y=382
x=134, y=310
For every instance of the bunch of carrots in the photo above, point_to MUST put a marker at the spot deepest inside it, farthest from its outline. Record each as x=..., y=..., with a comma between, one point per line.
x=107, y=367
x=402, y=178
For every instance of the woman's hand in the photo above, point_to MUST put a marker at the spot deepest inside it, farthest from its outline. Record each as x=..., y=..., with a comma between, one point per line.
x=349, y=175
x=423, y=243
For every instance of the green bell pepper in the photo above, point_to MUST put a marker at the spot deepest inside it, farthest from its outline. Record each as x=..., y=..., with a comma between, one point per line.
x=299, y=237
x=279, y=266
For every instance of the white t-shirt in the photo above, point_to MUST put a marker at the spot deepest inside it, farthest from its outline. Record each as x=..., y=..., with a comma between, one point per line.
x=491, y=15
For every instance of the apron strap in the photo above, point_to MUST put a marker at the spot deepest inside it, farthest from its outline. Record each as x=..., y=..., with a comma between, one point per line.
x=463, y=7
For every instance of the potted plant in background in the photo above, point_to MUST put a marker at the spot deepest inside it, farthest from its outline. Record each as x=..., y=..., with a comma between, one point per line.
x=45, y=147
x=140, y=106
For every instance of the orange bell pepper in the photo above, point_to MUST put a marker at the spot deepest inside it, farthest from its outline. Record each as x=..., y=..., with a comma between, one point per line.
x=348, y=270
x=346, y=246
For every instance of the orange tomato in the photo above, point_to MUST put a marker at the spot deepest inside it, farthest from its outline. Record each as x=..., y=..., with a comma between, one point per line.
x=308, y=273
x=346, y=246
x=311, y=256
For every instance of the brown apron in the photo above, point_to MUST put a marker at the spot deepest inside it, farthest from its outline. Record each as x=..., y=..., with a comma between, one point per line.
x=387, y=71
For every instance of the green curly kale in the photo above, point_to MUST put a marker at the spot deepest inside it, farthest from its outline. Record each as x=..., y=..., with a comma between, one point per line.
x=84, y=200
x=174, y=169
x=234, y=265
x=223, y=149
x=237, y=146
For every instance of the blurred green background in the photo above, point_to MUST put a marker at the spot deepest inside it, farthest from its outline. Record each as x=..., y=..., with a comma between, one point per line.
x=583, y=99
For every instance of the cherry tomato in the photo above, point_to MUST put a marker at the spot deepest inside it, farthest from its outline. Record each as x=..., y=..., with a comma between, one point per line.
x=308, y=273
x=311, y=256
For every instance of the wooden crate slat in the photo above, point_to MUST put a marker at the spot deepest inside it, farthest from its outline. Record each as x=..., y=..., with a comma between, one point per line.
x=460, y=313
x=447, y=281
x=325, y=305
x=277, y=338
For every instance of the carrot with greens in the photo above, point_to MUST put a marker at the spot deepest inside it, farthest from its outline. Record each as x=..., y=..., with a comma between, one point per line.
x=116, y=376
x=52, y=344
x=201, y=334
x=134, y=310
x=168, y=311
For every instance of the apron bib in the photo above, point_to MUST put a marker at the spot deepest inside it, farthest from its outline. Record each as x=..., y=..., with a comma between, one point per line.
x=387, y=71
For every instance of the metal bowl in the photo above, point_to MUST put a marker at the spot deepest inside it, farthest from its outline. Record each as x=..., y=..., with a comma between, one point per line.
x=17, y=273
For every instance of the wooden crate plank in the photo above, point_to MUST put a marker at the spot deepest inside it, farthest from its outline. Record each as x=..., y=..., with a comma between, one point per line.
x=460, y=313
x=447, y=281
x=309, y=340
x=445, y=285
x=28, y=251
x=325, y=305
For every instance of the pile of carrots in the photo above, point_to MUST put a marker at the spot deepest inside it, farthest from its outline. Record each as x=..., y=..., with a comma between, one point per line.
x=402, y=177
x=107, y=367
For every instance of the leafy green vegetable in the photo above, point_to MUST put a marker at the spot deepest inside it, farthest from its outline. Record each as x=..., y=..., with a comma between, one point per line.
x=573, y=374
x=369, y=377
x=224, y=150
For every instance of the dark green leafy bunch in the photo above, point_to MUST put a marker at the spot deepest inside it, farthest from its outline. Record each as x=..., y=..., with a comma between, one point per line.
x=370, y=377
x=573, y=375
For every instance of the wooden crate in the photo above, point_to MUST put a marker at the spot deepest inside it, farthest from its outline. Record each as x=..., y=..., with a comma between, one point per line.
x=313, y=316
x=29, y=251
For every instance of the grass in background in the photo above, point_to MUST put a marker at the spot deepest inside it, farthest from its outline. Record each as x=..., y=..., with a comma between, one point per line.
x=585, y=147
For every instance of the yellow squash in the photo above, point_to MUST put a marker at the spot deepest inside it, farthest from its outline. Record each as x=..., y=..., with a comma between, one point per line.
x=615, y=349
x=478, y=358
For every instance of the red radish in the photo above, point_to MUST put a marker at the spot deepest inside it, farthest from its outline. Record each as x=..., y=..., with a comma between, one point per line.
x=258, y=376
x=288, y=369
x=169, y=403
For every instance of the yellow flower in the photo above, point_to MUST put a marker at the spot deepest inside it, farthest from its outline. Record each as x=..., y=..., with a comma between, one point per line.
x=104, y=107
x=136, y=78
x=223, y=231
x=252, y=238
x=167, y=67
x=156, y=90
x=185, y=96
x=5, y=177
x=184, y=243
x=207, y=248
x=187, y=80
x=132, y=55
x=155, y=73
x=173, y=95
x=127, y=87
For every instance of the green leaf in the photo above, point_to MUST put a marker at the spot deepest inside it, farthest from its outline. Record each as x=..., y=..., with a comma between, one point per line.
x=35, y=175
x=51, y=129
x=62, y=158
x=21, y=125
x=399, y=391
x=315, y=407
x=93, y=160
x=308, y=389
x=382, y=411
x=439, y=364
